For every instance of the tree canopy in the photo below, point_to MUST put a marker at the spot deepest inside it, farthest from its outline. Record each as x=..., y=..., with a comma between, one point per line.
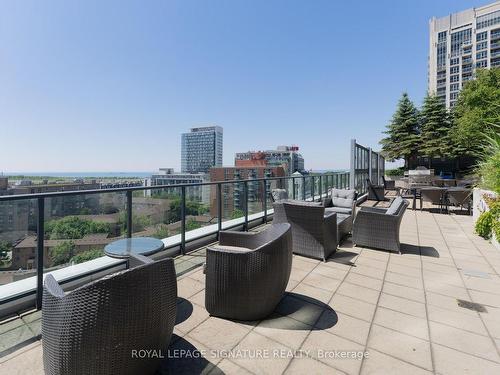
x=477, y=113
x=403, y=132
x=435, y=128
x=62, y=252
x=73, y=227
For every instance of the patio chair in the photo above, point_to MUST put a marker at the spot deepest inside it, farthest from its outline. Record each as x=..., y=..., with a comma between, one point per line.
x=378, y=227
x=279, y=195
x=247, y=273
x=433, y=195
x=314, y=231
x=95, y=328
x=375, y=192
x=449, y=183
x=341, y=201
x=460, y=198
x=389, y=184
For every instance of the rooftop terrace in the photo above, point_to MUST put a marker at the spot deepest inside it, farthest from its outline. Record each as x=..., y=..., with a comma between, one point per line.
x=403, y=310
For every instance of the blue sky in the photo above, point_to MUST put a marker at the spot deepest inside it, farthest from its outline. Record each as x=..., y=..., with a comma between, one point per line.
x=111, y=85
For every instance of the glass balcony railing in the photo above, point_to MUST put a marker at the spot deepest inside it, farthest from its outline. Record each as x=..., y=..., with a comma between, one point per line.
x=68, y=231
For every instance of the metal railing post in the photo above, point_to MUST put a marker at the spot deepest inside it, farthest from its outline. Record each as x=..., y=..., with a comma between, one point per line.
x=370, y=161
x=321, y=186
x=293, y=184
x=303, y=188
x=312, y=187
x=264, y=202
x=39, y=252
x=353, y=166
x=245, y=190
x=129, y=213
x=183, y=220
x=219, y=209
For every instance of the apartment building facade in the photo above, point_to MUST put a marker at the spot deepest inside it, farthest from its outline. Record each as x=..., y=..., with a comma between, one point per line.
x=461, y=43
x=201, y=149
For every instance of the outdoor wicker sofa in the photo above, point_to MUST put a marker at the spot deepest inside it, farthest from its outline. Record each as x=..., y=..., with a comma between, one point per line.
x=341, y=201
x=247, y=273
x=314, y=231
x=95, y=328
x=379, y=228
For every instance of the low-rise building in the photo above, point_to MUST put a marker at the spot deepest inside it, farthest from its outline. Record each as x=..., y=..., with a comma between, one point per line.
x=167, y=176
x=286, y=156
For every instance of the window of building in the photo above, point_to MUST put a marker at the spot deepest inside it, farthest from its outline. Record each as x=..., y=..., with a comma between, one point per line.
x=454, y=87
x=488, y=20
x=481, y=55
x=481, y=36
x=481, y=46
x=453, y=95
x=454, y=61
x=454, y=69
x=442, y=36
x=482, y=64
x=454, y=78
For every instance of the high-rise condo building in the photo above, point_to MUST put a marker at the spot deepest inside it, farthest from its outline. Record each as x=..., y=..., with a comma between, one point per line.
x=201, y=149
x=459, y=44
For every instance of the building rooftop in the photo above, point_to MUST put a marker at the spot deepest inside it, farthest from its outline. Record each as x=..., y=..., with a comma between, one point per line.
x=412, y=312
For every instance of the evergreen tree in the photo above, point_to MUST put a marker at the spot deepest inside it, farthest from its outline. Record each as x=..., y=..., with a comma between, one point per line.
x=435, y=128
x=403, y=133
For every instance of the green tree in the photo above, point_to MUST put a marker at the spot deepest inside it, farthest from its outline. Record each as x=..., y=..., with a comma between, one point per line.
x=489, y=166
x=161, y=231
x=192, y=208
x=403, y=132
x=73, y=227
x=435, y=128
x=139, y=222
x=5, y=248
x=192, y=224
x=62, y=252
x=477, y=113
x=237, y=213
x=86, y=256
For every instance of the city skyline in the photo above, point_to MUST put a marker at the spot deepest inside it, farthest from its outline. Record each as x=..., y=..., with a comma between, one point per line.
x=111, y=87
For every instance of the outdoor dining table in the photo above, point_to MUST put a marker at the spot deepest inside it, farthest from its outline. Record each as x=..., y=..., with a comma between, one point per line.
x=416, y=191
x=136, y=247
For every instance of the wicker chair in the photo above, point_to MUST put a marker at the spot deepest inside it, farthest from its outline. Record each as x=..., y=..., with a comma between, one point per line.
x=247, y=273
x=375, y=192
x=279, y=195
x=95, y=328
x=379, y=228
x=434, y=195
x=389, y=184
x=460, y=197
x=314, y=231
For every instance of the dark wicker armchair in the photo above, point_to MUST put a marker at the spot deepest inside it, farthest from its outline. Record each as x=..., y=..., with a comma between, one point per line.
x=247, y=273
x=379, y=228
x=96, y=328
x=314, y=231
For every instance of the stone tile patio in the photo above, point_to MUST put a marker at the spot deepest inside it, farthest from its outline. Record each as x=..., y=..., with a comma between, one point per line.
x=401, y=310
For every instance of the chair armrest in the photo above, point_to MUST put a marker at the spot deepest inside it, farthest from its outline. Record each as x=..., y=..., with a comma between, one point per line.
x=330, y=215
x=372, y=215
x=52, y=287
x=373, y=209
